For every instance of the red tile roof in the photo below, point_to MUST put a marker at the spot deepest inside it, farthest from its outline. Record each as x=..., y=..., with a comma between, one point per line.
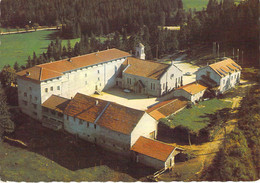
x=224, y=67
x=166, y=108
x=56, y=103
x=145, y=68
x=193, y=88
x=153, y=148
x=107, y=114
x=57, y=68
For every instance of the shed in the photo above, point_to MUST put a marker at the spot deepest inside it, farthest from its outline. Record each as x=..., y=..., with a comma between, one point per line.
x=192, y=91
x=154, y=153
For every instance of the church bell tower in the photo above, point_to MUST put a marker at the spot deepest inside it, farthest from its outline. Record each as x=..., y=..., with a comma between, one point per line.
x=139, y=51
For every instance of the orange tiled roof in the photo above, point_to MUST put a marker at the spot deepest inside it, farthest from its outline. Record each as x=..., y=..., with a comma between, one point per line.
x=120, y=118
x=56, y=103
x=193, y=88
x=85, y=107
x=57, y=68
x=224, y=67
x=145, y=68
x=165, y=108
x=153, y=148
x=114, y=116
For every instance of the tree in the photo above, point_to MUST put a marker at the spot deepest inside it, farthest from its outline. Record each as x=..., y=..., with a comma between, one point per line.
x=35, y=26
x=27, y=28
x=17, y=67
x=6, y=124
x=8, y=76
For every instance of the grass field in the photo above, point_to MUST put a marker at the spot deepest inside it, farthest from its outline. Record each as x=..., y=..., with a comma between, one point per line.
x=17, y=47
x=196, y=117
x=57, y=156
x=198, y=4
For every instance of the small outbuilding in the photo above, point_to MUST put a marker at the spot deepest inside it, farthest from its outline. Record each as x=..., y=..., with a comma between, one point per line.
x=193, y=91
x=154, y=153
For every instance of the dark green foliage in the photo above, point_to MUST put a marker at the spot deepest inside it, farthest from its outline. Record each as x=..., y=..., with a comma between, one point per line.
x=233, y=26
x=7, y=76
x=6, y=124
x=86, y=16
x=239, y=159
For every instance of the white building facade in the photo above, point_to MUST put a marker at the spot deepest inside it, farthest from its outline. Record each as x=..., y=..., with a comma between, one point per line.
x=86, y=74
x=222, y=75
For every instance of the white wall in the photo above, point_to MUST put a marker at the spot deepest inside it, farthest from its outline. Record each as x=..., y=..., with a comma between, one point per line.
x=213, y=75
x=229, y=81
x=33, y=98
x=146, y=125
x=146, y=81
x=171, y=79
x=149, y=161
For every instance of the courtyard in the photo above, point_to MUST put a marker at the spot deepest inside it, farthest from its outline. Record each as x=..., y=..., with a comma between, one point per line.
x=131, y=99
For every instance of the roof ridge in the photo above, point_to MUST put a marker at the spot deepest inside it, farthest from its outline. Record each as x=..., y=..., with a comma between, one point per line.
x=149, y=61
x=159, y=141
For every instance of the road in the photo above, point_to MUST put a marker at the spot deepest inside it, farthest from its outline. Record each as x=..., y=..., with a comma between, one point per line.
x=31, y=30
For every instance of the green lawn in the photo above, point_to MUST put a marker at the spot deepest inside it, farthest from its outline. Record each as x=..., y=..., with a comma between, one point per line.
x=197, y=117
x=17, y=47
x=198, y=4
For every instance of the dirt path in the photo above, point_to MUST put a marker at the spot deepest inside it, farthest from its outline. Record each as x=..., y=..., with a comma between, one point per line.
x=206, y=151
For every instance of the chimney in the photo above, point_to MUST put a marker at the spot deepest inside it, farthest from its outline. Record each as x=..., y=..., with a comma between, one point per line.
x=27, y=73
x=96, y=102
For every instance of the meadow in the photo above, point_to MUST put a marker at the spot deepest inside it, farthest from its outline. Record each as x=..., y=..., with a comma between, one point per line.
x=197, y=4
x=17, y=47
x=197, y=117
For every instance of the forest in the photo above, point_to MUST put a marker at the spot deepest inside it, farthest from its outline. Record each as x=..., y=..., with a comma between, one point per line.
x=125, y=23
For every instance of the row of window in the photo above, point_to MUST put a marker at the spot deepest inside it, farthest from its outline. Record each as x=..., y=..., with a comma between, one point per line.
x=26, y=103
x=25, y=95
x=51, y=89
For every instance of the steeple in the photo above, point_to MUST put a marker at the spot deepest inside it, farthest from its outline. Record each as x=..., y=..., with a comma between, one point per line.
x=139, y=51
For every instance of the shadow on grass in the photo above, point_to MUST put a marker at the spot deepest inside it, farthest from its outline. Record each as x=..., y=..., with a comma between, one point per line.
x=52, y=36
x=71, y=153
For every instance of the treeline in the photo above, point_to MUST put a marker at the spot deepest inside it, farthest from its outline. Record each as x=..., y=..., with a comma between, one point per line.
x=227, y=23
x=238, y=159
x=90, y=16
x=156, y=43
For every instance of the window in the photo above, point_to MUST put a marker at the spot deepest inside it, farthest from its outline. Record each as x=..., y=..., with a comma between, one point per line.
x=86, y=82
x=172, y=75
x=95, y=126
x=129, y=81
x=46, y=90
x=45, y=109
x=30, y=88
x=163, y=86
x=152, y=86
x=98, y=71
x=223, y=81
x=80, y=122
x=67, y=117
x=24, y=102
x=86, y=75
x=98, y=79
x=25, y=94
x=35, y=98
x=87, y=124
x=115, y=69
x=58, y=87
x=35, y=113
x=53, y=112
x=52, y=88
x=60, y=114
x=30, y=97
x=35, y=106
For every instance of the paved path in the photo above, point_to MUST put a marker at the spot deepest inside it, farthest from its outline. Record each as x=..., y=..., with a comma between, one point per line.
x=31, y=30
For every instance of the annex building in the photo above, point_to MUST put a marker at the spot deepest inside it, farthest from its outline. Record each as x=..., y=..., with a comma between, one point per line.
x=220, y=76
